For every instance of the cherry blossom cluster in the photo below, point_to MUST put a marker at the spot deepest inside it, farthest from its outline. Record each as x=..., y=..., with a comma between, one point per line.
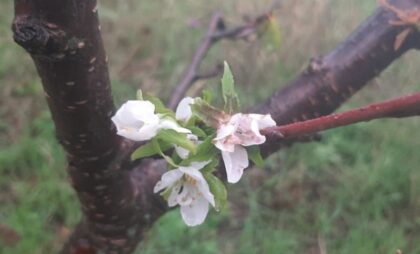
x=191, y=140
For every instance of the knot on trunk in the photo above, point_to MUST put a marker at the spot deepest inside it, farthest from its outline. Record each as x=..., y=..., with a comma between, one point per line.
x=40, y=38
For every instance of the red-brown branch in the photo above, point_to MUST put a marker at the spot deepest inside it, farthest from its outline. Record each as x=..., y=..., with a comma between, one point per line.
x=401, y=107
x=331, y=79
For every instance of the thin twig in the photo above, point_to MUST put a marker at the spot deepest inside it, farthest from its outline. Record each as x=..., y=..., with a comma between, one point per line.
x=401, y=107
x=215, y=33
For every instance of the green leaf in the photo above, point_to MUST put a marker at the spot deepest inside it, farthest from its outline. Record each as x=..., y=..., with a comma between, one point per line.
x=159, y=106
x=273, y=33
x=207, y=96
x=156, y=146
x=140, y=95
x=254, y=154
x=197, y=131
x=218, y=189
x=228, y=90
x=205, y=151
x=148, y=150
x=176, y=138
x=211, y=167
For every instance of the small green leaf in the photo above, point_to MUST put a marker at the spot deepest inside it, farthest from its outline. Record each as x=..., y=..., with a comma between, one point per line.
x=228, y=83
x=273, y=33
x=211, y=167
x=207, y=96
x=228, y=90
x=218, y=189
x=168, y=159
x=176, y=138
x=205, y=151
x=140, y=95
x=254, y=154
x=148, y=150
x=159, y=106
x=198, y=132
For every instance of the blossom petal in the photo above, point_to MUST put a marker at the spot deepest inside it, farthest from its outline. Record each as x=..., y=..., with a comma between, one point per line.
x=183, y=111
x=173, y=196
x=171, y=124
x=235, y=163
x=195, y=213
x=252, y=136
x=136, y=120
x=188, y=195
x=264, y=121
x=182, y=152
x=223, y=134
x=168, y=179
x=224, y=131
x=202, y=185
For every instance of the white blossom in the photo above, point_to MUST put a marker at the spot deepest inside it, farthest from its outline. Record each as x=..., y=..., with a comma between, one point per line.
x=137, y=120
x=189, y=189
x=183, y=111
x=241, y=130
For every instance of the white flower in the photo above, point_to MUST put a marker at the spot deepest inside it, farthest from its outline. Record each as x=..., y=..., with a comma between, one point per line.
x=241, y=130
x=136, y=120
x=189, y=189
x=183, y=111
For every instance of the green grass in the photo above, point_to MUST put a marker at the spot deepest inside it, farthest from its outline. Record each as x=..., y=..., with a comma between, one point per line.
x=356, y=191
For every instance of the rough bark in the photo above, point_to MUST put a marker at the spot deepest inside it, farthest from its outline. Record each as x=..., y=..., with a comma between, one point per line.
x=330, y=80
x=64, y=41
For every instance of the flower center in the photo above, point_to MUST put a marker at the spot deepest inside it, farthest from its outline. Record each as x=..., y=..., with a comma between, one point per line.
x=190, y=180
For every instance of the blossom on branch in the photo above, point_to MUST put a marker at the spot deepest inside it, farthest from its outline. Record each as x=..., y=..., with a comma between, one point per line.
x=240, y=130
x=188, y=188
x=137, y=120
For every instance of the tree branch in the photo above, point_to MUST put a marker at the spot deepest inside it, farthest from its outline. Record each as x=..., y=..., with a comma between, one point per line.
x=332, y=79
x=216, y=31
x=406, y=106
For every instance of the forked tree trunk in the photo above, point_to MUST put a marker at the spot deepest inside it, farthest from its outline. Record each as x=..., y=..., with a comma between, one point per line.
x=64, y=40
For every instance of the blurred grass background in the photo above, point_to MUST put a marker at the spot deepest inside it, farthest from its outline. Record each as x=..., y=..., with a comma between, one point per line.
x=357, y=191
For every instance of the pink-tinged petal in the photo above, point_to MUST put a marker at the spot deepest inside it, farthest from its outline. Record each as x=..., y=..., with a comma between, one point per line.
x=222, y=140
x=168, y=179
x=264, y=121
x=195, y=213
x=224, y=145
x=183, y=111
x=252, y=136
x=235, y=163
x=224, y=131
